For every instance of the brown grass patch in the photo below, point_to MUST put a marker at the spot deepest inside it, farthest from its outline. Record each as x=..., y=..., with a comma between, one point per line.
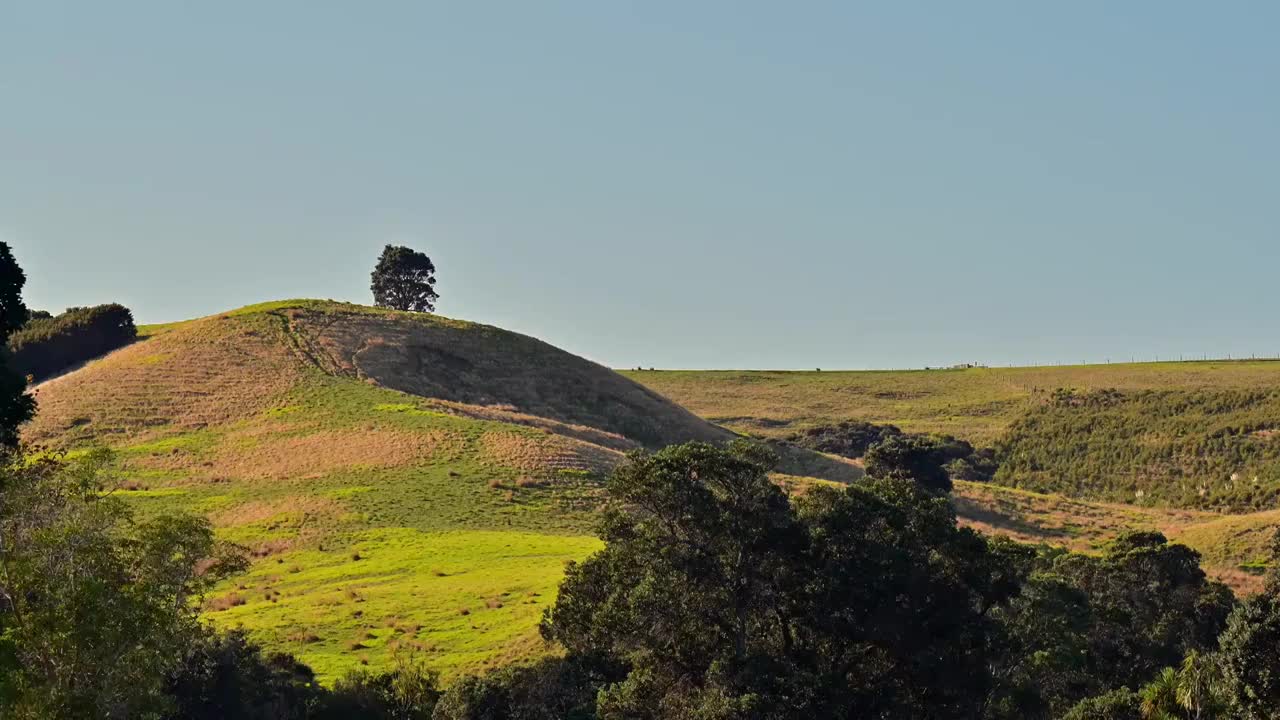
x=216, y=371
x=322, y=453
x=546, y=453
x=267, y=548
x=225, y=602
x=293, y=506
x=1225, y=541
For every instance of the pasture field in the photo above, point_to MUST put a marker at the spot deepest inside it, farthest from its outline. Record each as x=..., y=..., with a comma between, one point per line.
x=367, y=514
x=1187, y=434
x=975, y=404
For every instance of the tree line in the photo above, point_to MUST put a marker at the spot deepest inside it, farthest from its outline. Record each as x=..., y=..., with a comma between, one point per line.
x=47, y=344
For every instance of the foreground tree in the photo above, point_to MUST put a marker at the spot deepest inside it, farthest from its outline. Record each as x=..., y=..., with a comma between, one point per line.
x=716, y=598
x=225, y=677
x=13, y=312
x=1040, y=644
x=96, y=610
x=404, y=279
x=1151, y=605
x=1250, y=650
x=551, y=689
x=1120, y=704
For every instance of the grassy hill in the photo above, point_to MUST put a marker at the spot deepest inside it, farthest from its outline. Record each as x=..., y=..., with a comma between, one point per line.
x=1193, y=434
x=413, y=484
x=403, y=481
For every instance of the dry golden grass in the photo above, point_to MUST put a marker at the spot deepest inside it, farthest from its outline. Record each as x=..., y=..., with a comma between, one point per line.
x=212, y=371
x=258, y=511
x=1232, y=546
x=1058, y=520
x=546, y=454
x=267, y=452
x=323, y=453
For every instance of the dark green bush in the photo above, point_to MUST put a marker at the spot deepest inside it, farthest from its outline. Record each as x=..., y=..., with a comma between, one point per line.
x=849, y=438
x=46, y=346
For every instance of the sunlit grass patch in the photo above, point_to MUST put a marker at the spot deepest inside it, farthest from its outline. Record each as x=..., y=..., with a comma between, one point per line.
x=404, y=593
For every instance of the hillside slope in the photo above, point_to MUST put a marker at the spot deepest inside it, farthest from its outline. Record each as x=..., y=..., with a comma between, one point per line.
x=402, y=480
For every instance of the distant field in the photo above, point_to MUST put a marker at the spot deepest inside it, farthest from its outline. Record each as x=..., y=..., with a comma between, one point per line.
x=1189, y=434
x=976, y=404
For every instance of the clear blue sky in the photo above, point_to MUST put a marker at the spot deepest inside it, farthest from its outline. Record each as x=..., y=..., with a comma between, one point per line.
x=675, y=184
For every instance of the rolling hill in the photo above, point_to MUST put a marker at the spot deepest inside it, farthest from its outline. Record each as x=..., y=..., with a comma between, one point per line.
x=408, y=483
x=402, y=480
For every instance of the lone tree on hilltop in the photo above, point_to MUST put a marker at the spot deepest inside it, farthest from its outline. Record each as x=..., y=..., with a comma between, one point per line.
x=404, y=279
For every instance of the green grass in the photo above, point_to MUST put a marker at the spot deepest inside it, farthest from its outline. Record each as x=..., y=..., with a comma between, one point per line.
x=154, y=329
x=1243, y=541
x=449, y=530
x=462, y=601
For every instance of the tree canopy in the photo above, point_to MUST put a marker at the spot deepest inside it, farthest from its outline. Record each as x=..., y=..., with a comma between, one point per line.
x=96, y=608
x=716, y=597
x=404, y=279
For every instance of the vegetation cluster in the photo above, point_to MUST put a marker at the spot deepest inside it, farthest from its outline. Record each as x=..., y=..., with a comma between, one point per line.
x=1217, y=448
x=47, y=345
x=879, y=445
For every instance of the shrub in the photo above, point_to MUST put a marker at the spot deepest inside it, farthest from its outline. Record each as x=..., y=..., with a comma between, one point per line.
x=46, y=346
x=850, y=438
